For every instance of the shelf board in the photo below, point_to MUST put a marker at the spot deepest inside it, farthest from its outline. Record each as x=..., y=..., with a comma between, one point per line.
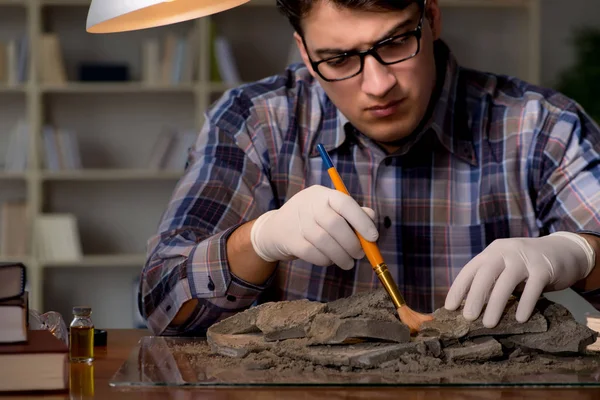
x=113, y=260
x=12, y=176
x=14, y=259
x=111, y=175
x=21, y=3
x=218, y=87
x=125, y=87
x=64, y=2
x=19, y=88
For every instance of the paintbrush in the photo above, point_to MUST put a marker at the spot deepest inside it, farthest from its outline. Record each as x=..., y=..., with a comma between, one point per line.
x=409, y=317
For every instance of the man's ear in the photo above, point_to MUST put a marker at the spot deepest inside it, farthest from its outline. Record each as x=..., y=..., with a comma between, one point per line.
x=303, y=53
x=434, y=17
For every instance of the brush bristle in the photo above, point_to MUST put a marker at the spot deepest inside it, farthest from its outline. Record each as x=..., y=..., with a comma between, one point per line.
x=413, y=319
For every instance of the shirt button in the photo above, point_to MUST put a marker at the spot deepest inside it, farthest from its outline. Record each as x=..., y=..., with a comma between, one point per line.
x=387, y=222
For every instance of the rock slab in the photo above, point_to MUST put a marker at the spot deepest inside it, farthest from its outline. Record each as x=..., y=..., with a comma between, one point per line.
x=363, y=331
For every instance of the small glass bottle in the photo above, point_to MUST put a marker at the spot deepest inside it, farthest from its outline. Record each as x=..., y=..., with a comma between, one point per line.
x=81, y=335
x=81, y=380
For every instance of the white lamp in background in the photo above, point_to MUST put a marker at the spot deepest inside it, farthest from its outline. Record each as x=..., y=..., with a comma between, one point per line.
x=105, y=16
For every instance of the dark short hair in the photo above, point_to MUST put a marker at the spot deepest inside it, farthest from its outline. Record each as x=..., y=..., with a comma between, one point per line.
x=296, y=10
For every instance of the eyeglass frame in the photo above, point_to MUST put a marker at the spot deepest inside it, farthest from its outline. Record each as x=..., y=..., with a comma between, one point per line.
x=417, y=33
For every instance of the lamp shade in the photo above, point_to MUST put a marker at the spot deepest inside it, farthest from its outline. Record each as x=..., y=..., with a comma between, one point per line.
x=105, y=16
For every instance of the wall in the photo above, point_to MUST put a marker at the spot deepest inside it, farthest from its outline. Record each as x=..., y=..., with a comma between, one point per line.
x=559, y=17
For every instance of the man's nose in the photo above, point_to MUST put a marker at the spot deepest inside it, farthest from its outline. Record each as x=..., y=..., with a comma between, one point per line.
x=378, y=79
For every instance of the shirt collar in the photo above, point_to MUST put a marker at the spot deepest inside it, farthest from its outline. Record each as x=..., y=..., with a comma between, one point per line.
x=447, y=120
x=332, y=121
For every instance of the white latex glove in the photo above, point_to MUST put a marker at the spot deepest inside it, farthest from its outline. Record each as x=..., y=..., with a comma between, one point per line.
x=314, y=225
x=553, y=262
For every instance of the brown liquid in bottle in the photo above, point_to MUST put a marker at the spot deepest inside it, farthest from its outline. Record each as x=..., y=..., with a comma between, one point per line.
x=81, y=380
x=82, y=343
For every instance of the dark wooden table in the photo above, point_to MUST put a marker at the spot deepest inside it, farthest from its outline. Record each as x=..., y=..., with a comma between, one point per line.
x=120, y=343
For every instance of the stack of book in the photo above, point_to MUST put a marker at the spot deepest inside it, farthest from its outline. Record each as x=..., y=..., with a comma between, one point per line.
x=30, y=360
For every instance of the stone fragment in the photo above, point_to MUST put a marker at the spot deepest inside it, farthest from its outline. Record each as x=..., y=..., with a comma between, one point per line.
x=480, y=349
x=330, y=329
x=237, y=335
x=363, y=355
x=448, y=325
x=375, y=357
x=564, y=334
x=287, y=319
x=237, y=346
x=433, y=345
x=519, y=356
x=243, y=322
x=508, y=324
x=376, y=302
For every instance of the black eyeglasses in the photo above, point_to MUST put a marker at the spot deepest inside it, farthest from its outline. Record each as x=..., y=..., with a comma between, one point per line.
x=389, y=51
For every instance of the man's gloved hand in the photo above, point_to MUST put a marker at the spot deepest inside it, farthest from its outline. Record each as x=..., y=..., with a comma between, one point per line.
x=314, y=225
x=553, y=262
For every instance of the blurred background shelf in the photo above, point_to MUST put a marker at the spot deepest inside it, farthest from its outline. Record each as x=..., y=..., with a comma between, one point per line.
x=102, y=261
x=5, y=88
x=20, y=3
x=110, y=175
x=12, y=176
x=128, y=87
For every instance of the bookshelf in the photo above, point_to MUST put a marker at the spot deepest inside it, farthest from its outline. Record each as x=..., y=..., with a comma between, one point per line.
x=116, y=199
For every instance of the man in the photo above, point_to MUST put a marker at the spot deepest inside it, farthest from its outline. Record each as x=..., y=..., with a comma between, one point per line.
x=472, y=184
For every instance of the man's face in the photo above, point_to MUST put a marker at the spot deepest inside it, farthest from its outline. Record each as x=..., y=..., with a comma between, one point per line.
x=385, y=102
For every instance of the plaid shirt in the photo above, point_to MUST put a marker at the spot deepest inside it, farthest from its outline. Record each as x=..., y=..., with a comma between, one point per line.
x=497, y=158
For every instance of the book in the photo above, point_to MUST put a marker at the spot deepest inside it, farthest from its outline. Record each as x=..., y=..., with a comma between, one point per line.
x=12, y=73
x=13, y=234
x=226, y=64
x=52, y=69
x=39, y=364
x=12, y=280
x=58, y=237
x=14, y=316
x=151, y=72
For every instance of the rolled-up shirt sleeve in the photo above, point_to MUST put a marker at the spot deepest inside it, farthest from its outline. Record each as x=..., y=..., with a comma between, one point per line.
x=224, y=186
x=568, y=174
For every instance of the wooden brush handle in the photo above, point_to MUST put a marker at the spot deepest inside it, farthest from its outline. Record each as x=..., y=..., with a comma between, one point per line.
x=371, y=249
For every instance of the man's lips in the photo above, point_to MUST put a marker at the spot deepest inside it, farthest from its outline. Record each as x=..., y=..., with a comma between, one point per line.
x=384, y=110
x=384, y=106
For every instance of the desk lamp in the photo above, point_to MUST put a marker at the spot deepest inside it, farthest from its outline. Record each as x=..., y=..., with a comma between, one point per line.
x=107, y=16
